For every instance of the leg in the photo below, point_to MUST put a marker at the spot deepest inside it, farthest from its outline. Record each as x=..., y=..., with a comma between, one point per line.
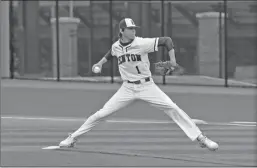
x=120, y=99
x=156, y=97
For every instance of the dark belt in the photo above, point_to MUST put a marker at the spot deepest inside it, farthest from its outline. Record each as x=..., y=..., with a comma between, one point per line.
x=139, y=81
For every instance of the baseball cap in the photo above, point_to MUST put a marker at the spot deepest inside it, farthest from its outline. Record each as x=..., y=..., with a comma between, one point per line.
x=127, y=22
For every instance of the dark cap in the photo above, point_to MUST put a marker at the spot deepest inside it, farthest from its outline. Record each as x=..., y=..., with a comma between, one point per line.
x=126, y=22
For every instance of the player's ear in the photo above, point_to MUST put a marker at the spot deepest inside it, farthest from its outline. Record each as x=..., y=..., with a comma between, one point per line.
x=121, y=31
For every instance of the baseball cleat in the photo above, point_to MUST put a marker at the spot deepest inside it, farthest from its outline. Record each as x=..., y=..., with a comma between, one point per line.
x=69, y=142
x=205, y=142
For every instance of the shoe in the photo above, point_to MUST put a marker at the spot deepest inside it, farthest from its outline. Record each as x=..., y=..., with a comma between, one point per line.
x=69, y=142
x=205, y=142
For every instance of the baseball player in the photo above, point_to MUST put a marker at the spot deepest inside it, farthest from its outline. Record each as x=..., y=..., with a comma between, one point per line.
x=134, y=67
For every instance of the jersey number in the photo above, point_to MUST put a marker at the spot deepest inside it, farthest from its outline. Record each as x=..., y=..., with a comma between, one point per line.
x=138, y=70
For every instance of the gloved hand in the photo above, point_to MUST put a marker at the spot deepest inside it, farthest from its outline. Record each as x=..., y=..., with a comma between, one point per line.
x=166, y=67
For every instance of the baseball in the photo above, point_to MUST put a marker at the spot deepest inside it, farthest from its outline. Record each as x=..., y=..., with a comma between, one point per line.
x=97, y=69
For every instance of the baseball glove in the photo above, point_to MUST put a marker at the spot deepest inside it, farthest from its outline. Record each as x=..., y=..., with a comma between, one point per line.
x=166, y=68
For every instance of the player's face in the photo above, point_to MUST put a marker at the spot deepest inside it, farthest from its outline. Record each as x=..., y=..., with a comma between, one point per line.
x=129, y=33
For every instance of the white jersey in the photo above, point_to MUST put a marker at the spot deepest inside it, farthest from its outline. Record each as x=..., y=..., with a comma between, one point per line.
x=133, y=59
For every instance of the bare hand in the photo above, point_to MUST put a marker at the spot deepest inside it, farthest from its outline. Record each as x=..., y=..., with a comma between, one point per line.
x=95, y=66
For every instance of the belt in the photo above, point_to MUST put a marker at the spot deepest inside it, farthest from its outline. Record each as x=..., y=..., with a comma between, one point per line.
x=139, y=81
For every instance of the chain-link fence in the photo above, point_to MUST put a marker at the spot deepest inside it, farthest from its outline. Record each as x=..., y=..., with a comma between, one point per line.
x=215, y=41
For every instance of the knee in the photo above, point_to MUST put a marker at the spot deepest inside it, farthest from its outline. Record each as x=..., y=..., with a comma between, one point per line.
x=95, y=117
x=172, y=107
x=99, y=115
x=168, y=104
x=173, y=113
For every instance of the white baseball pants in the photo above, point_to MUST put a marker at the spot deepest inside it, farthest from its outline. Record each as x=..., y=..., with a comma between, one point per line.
x=148, y=92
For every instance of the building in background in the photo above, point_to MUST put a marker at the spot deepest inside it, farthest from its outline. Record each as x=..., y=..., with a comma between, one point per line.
x=34, y=49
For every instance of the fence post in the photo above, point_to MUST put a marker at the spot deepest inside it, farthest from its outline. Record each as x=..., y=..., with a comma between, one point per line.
x=57, y=39
x=162, y=34
x=11, y=26
x=220, y=44
x=111, y=36
x=225, y=43
x=91, y=39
